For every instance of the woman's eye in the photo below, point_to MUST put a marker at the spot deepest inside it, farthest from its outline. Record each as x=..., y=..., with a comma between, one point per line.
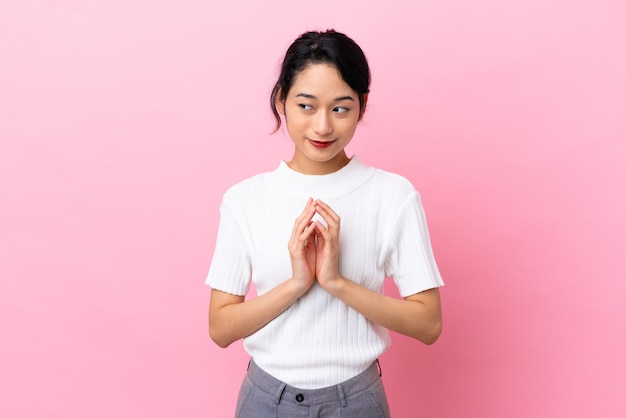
x=340, y=109
x=305, y=106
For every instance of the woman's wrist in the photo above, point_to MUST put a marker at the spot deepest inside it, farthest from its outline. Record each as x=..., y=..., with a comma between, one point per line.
x=297, y=287
x=335, y=286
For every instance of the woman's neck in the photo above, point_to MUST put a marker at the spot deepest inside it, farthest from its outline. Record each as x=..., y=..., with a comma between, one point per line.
x=319, y=167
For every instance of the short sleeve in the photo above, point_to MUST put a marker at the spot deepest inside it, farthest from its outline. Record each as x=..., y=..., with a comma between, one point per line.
x=230, y=269
x=410, y=260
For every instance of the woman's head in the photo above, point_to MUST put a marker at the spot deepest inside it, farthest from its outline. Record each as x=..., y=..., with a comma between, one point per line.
x=331, y=48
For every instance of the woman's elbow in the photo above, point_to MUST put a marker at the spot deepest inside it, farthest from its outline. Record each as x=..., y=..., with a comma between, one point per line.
x=435, y=334
x=431, y=334
x=219, y=338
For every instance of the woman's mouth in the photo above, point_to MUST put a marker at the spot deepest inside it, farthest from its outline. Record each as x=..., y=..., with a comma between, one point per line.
x=321, y=144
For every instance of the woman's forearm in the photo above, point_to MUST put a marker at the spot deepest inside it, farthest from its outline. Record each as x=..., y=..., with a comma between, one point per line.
x=231, y=317
x=417, y=316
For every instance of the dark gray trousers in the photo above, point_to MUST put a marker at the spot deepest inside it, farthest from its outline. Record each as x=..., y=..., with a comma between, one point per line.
x=264, y=396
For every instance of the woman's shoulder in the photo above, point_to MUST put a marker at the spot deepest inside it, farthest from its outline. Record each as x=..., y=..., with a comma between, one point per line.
x=246, y=187
x=391, y=181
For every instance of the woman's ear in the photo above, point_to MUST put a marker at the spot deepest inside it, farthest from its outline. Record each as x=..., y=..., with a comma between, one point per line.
x=363, y=106
x=280, y=104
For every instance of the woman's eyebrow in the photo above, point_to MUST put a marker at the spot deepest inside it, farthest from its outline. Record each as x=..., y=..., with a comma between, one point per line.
x=312, y=97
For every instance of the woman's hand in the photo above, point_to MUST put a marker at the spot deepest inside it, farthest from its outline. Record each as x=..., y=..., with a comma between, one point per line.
x=302, y=248
x=327, y=248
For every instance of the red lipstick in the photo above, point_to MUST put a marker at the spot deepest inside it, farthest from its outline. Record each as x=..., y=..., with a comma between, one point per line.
x=321, y=144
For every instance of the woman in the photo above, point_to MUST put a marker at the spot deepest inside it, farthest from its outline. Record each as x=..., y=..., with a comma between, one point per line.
x=320, y=320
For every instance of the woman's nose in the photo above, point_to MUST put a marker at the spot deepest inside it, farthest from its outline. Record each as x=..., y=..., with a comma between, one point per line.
x=322, y=125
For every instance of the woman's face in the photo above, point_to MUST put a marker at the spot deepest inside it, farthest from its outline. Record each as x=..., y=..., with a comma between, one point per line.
x=321, y=113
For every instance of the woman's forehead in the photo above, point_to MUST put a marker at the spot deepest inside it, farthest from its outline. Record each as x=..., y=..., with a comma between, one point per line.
x=320, y=80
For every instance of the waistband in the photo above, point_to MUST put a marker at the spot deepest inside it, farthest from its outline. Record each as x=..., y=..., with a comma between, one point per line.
x=283, y=392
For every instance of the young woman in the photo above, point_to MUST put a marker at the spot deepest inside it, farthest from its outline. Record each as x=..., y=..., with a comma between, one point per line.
x=320, y=320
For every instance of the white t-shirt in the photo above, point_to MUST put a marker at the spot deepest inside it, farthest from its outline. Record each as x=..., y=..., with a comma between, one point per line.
x=320, y=341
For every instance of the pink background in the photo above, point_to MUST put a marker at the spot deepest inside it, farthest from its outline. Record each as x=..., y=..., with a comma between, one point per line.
x=123, y=122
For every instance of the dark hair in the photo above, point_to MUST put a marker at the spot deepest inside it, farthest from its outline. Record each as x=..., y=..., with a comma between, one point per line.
x=329, y=47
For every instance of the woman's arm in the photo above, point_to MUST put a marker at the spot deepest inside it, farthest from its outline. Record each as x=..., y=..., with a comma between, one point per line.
x=418, y=315
x=231, y=317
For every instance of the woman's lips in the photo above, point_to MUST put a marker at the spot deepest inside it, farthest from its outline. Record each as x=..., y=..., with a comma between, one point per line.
x=321, y=144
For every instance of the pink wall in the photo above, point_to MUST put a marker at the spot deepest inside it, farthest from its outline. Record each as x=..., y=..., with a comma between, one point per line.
x=122, y=123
